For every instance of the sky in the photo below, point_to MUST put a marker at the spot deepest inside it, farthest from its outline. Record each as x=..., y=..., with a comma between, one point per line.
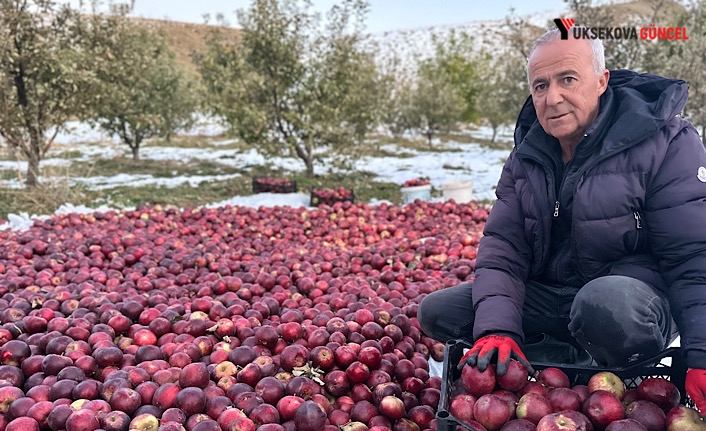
x=385, y=15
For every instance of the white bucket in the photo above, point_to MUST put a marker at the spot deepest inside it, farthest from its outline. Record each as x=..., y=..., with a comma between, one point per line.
x=410, y=194
x=459, y=191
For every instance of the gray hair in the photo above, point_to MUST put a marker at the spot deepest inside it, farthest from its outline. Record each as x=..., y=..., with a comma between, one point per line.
x=597, y=50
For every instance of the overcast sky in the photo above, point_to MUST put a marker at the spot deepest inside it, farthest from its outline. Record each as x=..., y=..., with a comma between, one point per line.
x=384, y=14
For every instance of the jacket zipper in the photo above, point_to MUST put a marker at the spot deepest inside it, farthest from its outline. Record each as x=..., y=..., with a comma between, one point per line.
x=556, y=209
x=638, y=220
x=638, y=225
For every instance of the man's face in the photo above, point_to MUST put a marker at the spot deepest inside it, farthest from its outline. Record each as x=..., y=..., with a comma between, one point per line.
x=565, y=90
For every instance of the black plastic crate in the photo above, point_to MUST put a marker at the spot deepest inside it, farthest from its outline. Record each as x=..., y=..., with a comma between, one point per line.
x=668, y=364
x=273, y=185
x=331, y=196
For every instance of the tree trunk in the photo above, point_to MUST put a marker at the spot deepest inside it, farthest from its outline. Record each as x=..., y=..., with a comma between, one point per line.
x=307, y=157
x=309, y=166
x=430, y=135
x=135, y=151
x=495, y=133
x=33, y=158
x=32, y=170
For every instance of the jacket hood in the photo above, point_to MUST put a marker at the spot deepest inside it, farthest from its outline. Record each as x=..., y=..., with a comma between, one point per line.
x=643, y=103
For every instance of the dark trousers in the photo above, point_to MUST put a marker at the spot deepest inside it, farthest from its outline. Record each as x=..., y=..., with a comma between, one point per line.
x=616, y=319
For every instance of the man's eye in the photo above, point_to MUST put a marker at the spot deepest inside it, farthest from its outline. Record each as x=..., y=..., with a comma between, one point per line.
x=569, y=79
x=540, y=87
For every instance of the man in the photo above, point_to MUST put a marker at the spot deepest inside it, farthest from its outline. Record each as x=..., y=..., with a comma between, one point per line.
x=598, y=236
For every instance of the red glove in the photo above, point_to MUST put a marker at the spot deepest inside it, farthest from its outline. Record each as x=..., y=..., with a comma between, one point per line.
x=696, y=388
x=500, y=346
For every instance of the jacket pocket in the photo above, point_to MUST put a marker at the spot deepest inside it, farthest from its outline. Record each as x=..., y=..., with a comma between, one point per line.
x=635, y=239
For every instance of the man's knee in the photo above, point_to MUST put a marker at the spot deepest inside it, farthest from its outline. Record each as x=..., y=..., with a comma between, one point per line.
x=429, y=311
x=616, y=318
x=447, y=314
x=616, y=297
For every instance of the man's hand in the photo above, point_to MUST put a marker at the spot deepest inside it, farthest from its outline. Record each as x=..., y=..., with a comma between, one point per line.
x=696, y=388
x=490, y=346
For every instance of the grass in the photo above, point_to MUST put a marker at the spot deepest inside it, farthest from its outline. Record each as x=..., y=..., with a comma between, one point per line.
x=205, y=142
x=156, y=168
x=44, y=199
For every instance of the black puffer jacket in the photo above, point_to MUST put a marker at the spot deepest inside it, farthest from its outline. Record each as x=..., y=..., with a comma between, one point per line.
x=638, y=209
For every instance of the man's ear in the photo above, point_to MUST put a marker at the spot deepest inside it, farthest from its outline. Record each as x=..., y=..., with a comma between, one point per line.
x=603, y=82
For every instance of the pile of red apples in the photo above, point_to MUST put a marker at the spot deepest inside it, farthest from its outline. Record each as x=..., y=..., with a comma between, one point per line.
x=484, y=401
x=331, y=196
x=230, y=318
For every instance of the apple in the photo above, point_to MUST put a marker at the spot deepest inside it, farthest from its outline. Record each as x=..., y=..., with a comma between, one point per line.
x=659, y=391
x=8, y=395
x=533, y=407
x=607, y=381
x=570, y=420
x=461, y=407
x=602, y=407
x=82, y=420
x=563, y=398
x=23, y=424
x=625, y=425
x=478, y=382
x=648, y=414
x=309, y=416
x=518, y=425
x=514, y=378
x=392, y=407
x=143, y=422
x=491, y=411
x=553, y=377
x=682, y=418
x=126, y=400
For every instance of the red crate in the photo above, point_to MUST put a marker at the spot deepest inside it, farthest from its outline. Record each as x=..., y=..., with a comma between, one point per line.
x=273, y=185
x=331, y=196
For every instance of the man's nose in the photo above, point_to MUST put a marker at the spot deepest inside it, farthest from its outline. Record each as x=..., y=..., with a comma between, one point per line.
x=554, y=95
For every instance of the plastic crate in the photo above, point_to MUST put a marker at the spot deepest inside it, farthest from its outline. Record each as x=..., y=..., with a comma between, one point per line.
x=668, y=364
x=273, y=185
x=331, y=196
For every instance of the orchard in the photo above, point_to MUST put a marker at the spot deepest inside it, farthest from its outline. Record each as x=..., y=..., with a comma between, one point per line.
x=228, y=319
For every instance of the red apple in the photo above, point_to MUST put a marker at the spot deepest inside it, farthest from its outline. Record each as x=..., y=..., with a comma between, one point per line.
x=514, y=378
x=518, y=425
x=491, y=411
x=603, y=407
x=553, y=377
x=625, y=425
x=660, y=391
x=570, y=420
x=564, y=399
x=461, y=407
x=533, y=407
x=648, y=414
x=478, y=382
